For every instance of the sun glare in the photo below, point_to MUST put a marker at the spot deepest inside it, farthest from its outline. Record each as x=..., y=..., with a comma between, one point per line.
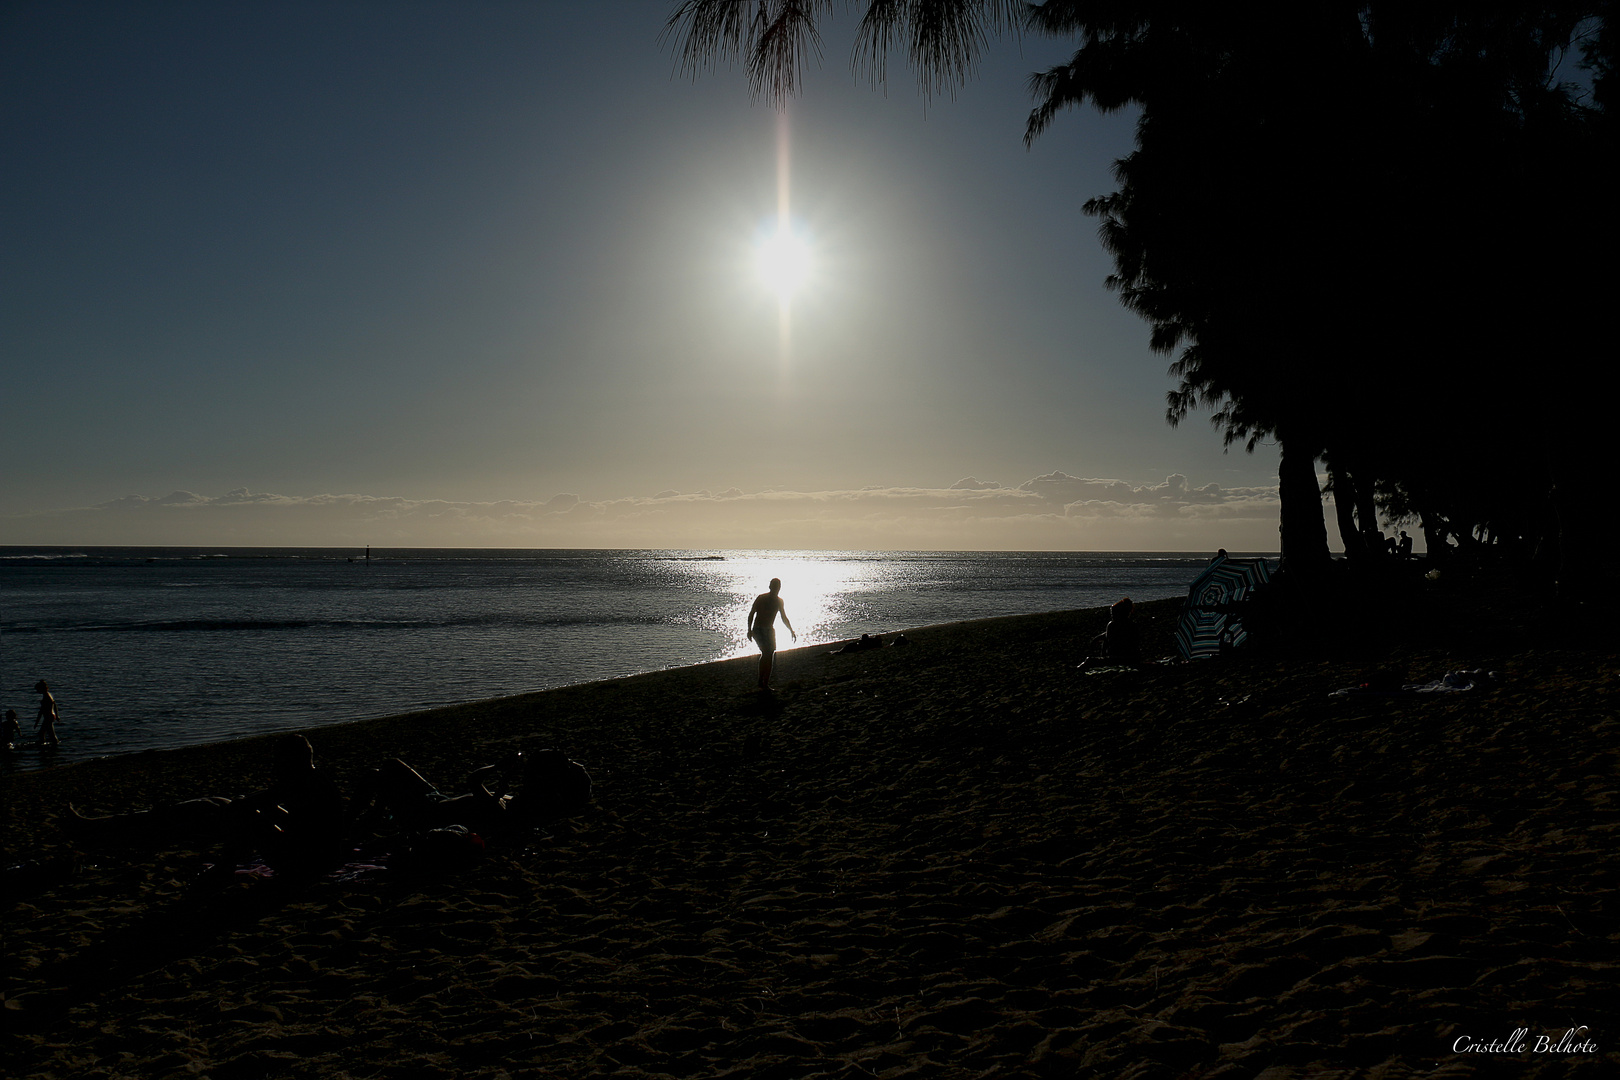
x=819, y=591
x=782, y=260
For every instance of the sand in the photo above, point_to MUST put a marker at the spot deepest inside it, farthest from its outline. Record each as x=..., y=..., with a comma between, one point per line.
x=961, y=858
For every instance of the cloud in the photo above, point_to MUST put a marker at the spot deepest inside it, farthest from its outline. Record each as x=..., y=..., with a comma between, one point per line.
x=1052, y=511
x=1063, y=489
x=243, y=495
x=179, y=498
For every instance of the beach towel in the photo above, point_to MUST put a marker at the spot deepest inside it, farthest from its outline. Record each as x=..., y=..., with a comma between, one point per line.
x=1450, y=683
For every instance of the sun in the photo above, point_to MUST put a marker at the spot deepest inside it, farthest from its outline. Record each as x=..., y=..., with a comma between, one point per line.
x=782, y=261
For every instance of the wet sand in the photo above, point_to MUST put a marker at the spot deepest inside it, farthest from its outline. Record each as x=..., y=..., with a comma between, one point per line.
x=960, y=858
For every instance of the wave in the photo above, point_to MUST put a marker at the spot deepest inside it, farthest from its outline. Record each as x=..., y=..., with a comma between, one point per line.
x=4, y=559
x=182, y=626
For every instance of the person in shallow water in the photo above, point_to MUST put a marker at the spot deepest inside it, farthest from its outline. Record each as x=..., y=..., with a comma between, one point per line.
x=762, y=628
x=550, y=786
x=296, y=825
x=45, y=720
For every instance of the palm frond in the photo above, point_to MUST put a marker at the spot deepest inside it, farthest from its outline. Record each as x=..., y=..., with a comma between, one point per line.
x=773, y=38
x=711, y=31
x=943, y=38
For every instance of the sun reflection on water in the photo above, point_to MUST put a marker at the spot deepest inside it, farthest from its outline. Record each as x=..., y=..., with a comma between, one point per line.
x=817, y=590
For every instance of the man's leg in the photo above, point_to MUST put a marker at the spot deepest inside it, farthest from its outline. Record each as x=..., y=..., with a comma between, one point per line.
x=193, y=823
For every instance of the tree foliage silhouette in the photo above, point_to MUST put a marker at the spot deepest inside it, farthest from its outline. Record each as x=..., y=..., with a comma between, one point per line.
x=1378, y=233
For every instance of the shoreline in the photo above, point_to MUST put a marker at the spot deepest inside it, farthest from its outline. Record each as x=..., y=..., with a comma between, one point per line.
x=951, y=858
x=351, y=738
x=499, y=704
x=175, y=663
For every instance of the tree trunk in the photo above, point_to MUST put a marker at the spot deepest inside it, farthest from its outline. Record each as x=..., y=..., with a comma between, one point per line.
x=1586, y=518
x=1434, y=535
x=1344, y=512
x=1303, y=527
x=1367, y=514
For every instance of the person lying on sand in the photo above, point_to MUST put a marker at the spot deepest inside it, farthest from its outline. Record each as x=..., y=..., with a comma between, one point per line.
x=860, y=644
x=296, y=825
x=869, y=641
x=1118, y=643
x=550, y=786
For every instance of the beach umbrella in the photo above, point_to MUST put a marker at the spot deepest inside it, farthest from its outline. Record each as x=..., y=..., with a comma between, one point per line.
x=1215, y=604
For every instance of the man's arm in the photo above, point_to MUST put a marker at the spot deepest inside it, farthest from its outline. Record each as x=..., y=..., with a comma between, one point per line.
x=481, y=778
x=781, y=605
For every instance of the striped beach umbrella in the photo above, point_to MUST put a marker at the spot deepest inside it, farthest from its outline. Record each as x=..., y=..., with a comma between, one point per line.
x=1215, y=602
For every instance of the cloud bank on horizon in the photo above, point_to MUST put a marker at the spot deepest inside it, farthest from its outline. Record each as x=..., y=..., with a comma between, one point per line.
x=1054, y=511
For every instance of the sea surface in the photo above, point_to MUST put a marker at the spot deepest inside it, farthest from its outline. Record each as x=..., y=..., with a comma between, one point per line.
x=161, y=647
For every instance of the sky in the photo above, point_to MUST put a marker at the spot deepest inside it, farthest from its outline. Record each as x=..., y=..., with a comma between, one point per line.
x=484, y=274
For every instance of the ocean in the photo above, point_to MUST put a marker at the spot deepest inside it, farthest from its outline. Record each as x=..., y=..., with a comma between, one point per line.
x=151, y=648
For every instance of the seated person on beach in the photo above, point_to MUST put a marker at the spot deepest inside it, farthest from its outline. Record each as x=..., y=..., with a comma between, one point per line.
x=550, y=787
x=1118, y=643
x=296, y=825
x=10, y=731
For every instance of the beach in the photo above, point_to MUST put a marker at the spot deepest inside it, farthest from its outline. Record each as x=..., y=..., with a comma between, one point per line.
x=960, y=857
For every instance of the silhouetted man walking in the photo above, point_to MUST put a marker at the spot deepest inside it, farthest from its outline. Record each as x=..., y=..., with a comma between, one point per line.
x=762, y=628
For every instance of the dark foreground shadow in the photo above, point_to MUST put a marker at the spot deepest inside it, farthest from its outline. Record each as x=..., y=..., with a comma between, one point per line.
x=185, y=927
